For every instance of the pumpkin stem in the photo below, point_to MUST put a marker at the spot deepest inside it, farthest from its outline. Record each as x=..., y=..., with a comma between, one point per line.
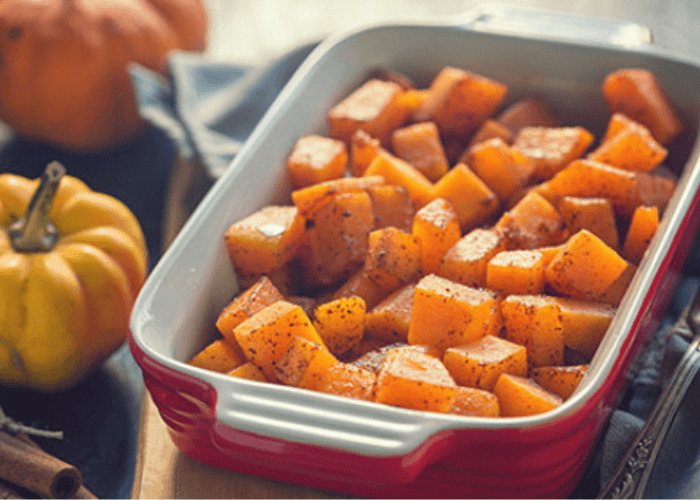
x=34, y=232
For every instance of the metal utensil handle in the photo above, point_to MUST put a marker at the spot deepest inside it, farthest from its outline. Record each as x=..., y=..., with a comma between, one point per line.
x=631, y=476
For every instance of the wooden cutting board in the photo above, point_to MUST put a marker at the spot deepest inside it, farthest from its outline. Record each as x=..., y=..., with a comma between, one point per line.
x=162, y=471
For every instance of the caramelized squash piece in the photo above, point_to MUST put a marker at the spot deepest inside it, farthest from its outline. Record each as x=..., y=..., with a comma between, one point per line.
x=459, y=101
x=593, y=214
x=474, y=403
x=262, y=294
x=390, y=319
x=470, y=197
x=583, y=323
x=361, y=285
x=302, y=363
x=393, y=258
x=401, y=173
x=504, y=169
x=521, y=396
x=391, y=206
x=534, y=322
x=285, y=279
x=248, y=371
x=489, y=129
x=561, y=380
x=340, y=323
x=467, y=260
x=265, y=240
x=447, y=314
x=219, y=356
x=551, y=149
x=644, y=224
x=516, y=272
x=584, y=268
x=363, y=149
x=310, y=198
x=412, y=379
x=437, y=228
x=480, y=363
x=349, y=381
x=266, y=334
x=531, y=111
x=532, y=223
x=375, y=107
x=614, y=293
x=315, y=158
x=419, y=144
x=632, y=147
x=636, y=93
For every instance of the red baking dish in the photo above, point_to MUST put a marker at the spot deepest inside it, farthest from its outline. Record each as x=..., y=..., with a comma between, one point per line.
x=362, y=448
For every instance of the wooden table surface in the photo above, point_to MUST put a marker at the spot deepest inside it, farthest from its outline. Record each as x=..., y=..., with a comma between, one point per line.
x=254, y=33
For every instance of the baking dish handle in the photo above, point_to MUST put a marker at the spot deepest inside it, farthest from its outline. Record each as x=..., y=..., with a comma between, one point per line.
x=507, y=19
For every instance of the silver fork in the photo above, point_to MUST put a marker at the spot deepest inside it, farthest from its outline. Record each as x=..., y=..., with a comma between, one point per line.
x=632, y=474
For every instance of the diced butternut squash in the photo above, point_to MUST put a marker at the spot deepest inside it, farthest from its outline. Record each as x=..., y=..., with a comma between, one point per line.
x=474, y=403
x=504, y=169
x=516, y=272
x=361, y=285
x=340, y=323
x=349, y=381
x=412, y=379
x=489, y=129
x=311, y=197
x=265, y=336
x=583, y=323
x=285, y=279
x=391, y=318
x=315, y=158
x=531, y=111
x=363, y=149
x=391, y=206
x=375, y=107
x=262, y=294
x=534, y=322
x=219, y=356
x=480, y=363
x=521, y=396
x=336, y=239
x=467, y=260
x=614, y=294
x=302, y=363
x=552, y=148
x=619, y=122
x=561, y=380
x=393, y=258
x=584, y=268
x=437, y=228
x=265, y=240
x=248, y=371
x=594, y=214
x=637, y=93
x=419, y=144
x=631, y=148
x=532, y=223
x=645, y=221
x=401, y=173
x=470, y=197
x=459, y=101
x=447, y=314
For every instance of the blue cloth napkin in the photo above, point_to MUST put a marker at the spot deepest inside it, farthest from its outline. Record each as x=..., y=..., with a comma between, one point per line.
x=210, y=108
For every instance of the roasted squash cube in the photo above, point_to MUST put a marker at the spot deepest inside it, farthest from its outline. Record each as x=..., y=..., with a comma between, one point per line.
x=447, y=314
x=516, y=272
x=474, y=403
x=310, y=198
x=645, y=222
x=489, y=129
x=315, y=158
x=302, y=363
x=401, y=173
x=534, y=322
x=551, y=149
x=265, y=240
x=480, y=363
x=594, y=214
x=219, y=356
x=504, y=169
x=361, y=285
x=583, y=323
x=340, y=323
x=561, y=380
x=631, y=148
x=393, y=258
x=437, y=228
x=584, y=268
x=391, y=318
x=532, y=223
x=521, y=396
x=412, y=379
x=419, y=144
x=363, y=149
x=467, y=260
x=266, y=334
x=531, y=111
x=375, y=107
x=637, y=93
x=349, y=381
x=470, y=197
x=391, y=206
x=248, y=371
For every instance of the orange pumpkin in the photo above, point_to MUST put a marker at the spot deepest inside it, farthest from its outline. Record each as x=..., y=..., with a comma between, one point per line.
x=63, y=64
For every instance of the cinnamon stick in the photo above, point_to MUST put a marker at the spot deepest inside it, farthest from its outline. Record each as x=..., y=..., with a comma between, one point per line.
x=28, y=466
